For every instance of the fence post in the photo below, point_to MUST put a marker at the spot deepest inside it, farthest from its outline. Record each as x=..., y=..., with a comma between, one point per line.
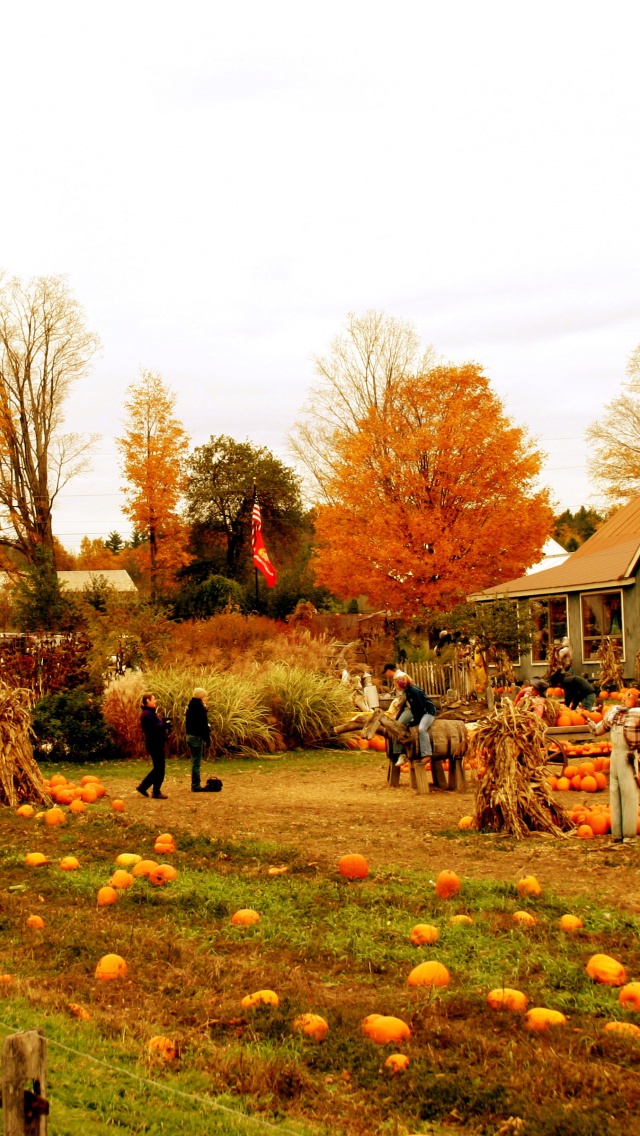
x=24, y=1085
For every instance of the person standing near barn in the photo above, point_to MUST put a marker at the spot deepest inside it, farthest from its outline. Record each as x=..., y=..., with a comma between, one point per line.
x=623, y=771
x=198, y=734
x=155, y=729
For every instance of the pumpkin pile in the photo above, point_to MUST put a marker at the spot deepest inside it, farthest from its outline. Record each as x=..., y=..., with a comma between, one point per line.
x=587, y=777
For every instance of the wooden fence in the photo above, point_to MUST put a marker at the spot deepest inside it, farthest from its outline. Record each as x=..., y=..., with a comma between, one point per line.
x=438, y=678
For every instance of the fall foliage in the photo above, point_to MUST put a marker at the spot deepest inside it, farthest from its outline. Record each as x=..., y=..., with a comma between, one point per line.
x=153, y=451
x=614, y=440
x=432, y=499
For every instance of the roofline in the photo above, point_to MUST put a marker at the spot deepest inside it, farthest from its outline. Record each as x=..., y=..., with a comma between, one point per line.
x=633, y=561
x=522, y=593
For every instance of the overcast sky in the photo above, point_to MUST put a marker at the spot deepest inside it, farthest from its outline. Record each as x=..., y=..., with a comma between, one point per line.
x=222, y=182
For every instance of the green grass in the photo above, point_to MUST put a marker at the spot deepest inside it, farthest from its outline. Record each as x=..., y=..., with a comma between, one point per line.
x=340, y=949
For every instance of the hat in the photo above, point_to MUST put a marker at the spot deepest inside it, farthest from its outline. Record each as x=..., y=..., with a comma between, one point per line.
x=200, y=692
x=540, y=685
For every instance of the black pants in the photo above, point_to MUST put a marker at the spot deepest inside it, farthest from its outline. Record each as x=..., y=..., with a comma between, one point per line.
x=156, y=775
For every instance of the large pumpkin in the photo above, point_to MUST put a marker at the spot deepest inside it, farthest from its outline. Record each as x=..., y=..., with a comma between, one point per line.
x=424, y=933
x=627, y=1029
x=447, y=885
x=313, y=1025
x=245, y=917
x=385, y=1030
x=111, y=967
x=503, y=998
x=260, y=998
x=529, y=885
x=353, y=867
x=121, y=879
x=430, y=973
x=540, y=1018
x=603, y=968
x=570, y=923
x=35, y=859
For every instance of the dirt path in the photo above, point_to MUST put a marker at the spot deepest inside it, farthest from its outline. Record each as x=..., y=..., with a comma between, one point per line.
x=332, y=808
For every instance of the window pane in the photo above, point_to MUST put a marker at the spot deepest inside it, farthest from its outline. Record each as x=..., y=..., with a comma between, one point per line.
x=591, y=615
x=612, y=613
x=601, y=615
x=558, y=617
x=540, y=617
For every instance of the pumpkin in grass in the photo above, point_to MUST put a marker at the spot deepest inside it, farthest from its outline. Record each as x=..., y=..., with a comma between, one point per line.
x=36, y=922
x=539, y=1018
x=504, y=998
x=447, y=885
x=430, y=973
x=260, y=998
x=385, y=1030
x=397, y=1063
x=461, y=920
x=570, y=923
x=54, y=816
x=117, y=806
x=121, y=880
x=164, y=1047
x=629, y=996
x=35, y=859
x=626, y=1029
x=465, y=822
x=69, y=864
x=127, y=859
x=144, y=867
x=169, y=872
x=585, y=832
x=524, y=919
x=89, y=795
x=166, y=838
x=6, y=979
x=111, y=967
x=424, y=933
x=529, y=885
x=603, y=968
x=106, y=896
x=157, y=877
x=27, y=811
x=77, y=806
x=245, y=917
x=353, y=867
x=57, y=779
x=312, y=1025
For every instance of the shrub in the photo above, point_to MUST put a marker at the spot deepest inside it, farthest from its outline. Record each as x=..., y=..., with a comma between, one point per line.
x=237, y=714
x=121, y=707
x=69, y=726
x=306, y=705
x=199, y=601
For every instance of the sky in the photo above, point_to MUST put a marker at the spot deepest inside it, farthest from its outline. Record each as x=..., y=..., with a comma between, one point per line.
x=222, y=182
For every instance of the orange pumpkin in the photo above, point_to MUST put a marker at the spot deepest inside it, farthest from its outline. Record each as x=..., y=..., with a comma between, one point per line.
x=603, y=968
x=629, y=996
x=503, y=998
x=245, y=917
x=540, y=1018
x=36, y=922
x=54, y=816
x=157, y=877
x=89, y=795
x=35, y=859
x=447, y=885
x=164, y=1047
x=378, y=743
x=424, y=933
x=89, y=779
x=461, y=920
x=107, y=896
x=260, y=998
x=143, y=868
x=385, y=1030
x=312, y=1025
x=601, y=780
x=353, y=867
x=169, y=872
x=27, y=811
x=585, y=832
x=529, y=885
x=465, y=822
x=570, y=923
x=117, y=806
x=362, y=743
x=627, y=1029
x=397, y=1063
x=77, y=806
x=524, y=919
x=69, y=864
x=429, y=974
x=111, y=967
x=589, y=784
x=563, y=784
x=57, y=779
x=121, y=880
x=598, y=822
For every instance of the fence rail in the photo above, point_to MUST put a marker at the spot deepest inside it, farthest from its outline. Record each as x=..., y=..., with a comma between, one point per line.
x=438, y=678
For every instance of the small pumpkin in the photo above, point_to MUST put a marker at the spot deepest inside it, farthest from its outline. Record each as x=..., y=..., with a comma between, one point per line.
x=461, y=920
x=397, y=1063
x=36, y=922
x=424, y=933
x=111, y=967
x=245, y=917
x=69, y=864
x=585, y=832
x=629, y=996
x=539, y=1018
x=627, y=1029
x=117, y=806
x=260, y=998
x=603, y=968
x=54, y=816
x=429, y=973
x=447, y=885
x=529, y=885
x=353, y=867
x=465, y=822
x=127, y=859
x=121, y=880
x=79, y=1011
x=35, y=859
x=166, y=838
x=6, y=979
x=524, y=919
x=57, y=779
x=503, y=998
x=570, y=923
x=143, y=868
x=89, y=795
x=164, y=1047
x=27, y=811
x=313, y=1025
x=106, y=896
x=385, y=1030
x=89, y=779
x=168, y=871
x=77, y=807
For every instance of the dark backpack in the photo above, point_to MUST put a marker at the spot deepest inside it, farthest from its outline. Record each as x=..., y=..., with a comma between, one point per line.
x=212, y=785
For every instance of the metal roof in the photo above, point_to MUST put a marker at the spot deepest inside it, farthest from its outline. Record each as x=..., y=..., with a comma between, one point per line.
x=116, y=578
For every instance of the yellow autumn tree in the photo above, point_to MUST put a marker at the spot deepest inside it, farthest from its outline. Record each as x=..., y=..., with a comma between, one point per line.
x=153, y=452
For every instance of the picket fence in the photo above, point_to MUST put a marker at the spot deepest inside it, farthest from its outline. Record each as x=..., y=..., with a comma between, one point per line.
x=438, y=678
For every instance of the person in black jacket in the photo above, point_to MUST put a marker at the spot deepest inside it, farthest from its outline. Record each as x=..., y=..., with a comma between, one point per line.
x=422, y=710
x=577, y=691
x=198, y=734
x=155, y=729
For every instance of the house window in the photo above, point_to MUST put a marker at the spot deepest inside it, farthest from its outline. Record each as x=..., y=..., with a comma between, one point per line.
x=601, y=615
x=549, y=615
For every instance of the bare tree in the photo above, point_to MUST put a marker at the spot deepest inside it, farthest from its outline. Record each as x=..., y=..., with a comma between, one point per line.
x=44, y=347
x=361, y=372
x=614, y=461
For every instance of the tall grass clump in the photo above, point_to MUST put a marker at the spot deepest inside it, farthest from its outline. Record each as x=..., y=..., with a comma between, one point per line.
x=238, y=718
x=306, y=705
x=121, y=709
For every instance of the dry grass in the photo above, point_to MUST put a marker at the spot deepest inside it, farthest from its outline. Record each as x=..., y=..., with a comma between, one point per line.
x=121, y=707
x=20, y=777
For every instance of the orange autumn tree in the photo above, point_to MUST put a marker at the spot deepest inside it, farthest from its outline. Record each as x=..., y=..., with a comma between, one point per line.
x=153, y=450
x=432, y=498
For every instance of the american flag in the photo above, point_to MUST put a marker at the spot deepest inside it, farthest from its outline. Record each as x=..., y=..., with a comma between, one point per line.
x=260, y=556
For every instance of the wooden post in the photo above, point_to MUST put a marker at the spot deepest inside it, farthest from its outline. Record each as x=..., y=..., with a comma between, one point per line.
x=24, y=1085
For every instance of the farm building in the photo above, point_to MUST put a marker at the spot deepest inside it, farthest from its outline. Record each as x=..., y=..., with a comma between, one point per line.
x=115, y=578
x=594, y=592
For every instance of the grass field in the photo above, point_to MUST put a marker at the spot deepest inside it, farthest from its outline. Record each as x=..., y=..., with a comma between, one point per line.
x=335, y=948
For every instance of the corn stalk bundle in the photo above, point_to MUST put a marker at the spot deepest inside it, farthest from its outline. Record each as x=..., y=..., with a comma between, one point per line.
x=610, y=667
x=513, y=796
x=552, y=708
x=20, y=777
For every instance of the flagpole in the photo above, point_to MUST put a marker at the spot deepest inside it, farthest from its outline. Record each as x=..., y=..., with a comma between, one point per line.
x=256, y=572
x=255, y=494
